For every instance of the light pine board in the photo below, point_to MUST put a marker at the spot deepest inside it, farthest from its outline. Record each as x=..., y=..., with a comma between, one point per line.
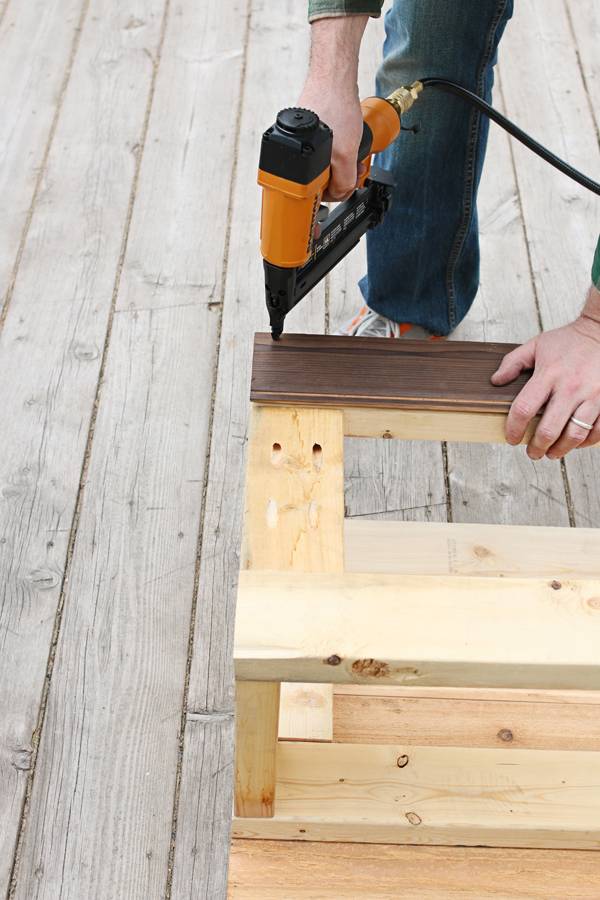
x=50, y=356
x=422, y=630
x=100, y=817
x=200, y=867
x=561, y=221
x=467, y=718
x=37, y=42
x=436, y=548
x=440, y=795
x=294, y=521
x=278, y=870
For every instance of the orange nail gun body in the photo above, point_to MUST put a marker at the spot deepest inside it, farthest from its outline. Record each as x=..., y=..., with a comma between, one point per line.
x=300, y=240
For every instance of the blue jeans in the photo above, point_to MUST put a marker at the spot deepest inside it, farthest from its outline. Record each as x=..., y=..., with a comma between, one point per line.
x=423, y=261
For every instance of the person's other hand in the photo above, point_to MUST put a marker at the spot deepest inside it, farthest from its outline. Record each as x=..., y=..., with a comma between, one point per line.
x=338, y=107
x=565, y=383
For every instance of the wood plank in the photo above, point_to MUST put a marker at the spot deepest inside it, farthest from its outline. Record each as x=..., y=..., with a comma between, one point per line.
x=543, y=86
x=257, y=722
x=306, y=712
x=200, y=864
x=208, y=749
x=51, y=350
x=380, y=716
x=38, y=41
x=584, y=18
x=495, y=695
x=100, y=819
x=427, y=425
x=273, y=870
x=294, y=520
x=438, y=548
x=454, y=631
x=321, y=370
x=512, y=798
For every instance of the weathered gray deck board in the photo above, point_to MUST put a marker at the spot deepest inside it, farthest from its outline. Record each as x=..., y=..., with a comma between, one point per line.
x=561, y=220
x=585, y=19
x=50, y=354
x=37, y=40
x=200, y=867
x=496, y=483
x=110, y=747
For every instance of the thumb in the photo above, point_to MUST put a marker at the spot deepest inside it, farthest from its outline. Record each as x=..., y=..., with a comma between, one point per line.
x=514, y=363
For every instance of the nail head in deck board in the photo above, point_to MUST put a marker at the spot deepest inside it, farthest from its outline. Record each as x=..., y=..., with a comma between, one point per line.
x=321, y=370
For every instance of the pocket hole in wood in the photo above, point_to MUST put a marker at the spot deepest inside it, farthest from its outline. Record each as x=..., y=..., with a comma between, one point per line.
x=276, y=454
x=317, y=456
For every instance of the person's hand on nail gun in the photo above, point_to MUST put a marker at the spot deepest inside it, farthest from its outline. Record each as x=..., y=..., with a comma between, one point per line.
x=331, y=92
x=565, y=384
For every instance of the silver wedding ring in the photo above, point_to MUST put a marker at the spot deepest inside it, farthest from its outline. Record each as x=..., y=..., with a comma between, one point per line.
x=581, y=424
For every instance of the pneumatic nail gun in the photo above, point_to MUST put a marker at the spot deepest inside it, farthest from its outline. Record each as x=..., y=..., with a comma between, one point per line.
x=301, y=240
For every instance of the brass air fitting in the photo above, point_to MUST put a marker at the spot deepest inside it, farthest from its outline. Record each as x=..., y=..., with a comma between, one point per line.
x=403, y=97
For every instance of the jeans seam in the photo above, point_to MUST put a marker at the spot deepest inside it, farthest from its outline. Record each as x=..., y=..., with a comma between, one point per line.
x=469, y=172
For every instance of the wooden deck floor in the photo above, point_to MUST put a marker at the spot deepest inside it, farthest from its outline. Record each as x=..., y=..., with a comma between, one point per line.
x=131, y=285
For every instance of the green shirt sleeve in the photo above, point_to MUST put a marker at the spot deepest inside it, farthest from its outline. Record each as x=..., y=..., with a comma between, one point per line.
x=321, y=9
x=596, y=267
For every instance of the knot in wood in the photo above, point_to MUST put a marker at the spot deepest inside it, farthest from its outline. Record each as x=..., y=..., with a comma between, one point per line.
x=333, y=660
x=555, y=585
x=371, y=668
x=506, y=735
x=402, y=761
x=413, y=818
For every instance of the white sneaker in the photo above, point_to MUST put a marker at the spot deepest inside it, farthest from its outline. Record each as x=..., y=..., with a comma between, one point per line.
x=368, y=323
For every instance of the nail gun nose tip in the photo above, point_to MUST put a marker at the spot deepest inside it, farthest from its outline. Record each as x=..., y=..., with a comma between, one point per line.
x=276, y=333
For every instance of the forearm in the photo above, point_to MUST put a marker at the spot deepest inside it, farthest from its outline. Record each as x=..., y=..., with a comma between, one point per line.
x=335, y=46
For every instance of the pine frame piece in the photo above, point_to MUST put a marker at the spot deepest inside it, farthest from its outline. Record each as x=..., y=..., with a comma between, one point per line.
x=428, y=425
x=434, y=795
x=451, y=548
x=414, y=630
x=257, y=722
x=294, y=518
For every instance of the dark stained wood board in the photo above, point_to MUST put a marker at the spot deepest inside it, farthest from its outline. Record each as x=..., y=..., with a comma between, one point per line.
x=322, y=370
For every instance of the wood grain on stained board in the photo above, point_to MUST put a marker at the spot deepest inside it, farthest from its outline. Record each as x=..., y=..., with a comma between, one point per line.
x=321, y=370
